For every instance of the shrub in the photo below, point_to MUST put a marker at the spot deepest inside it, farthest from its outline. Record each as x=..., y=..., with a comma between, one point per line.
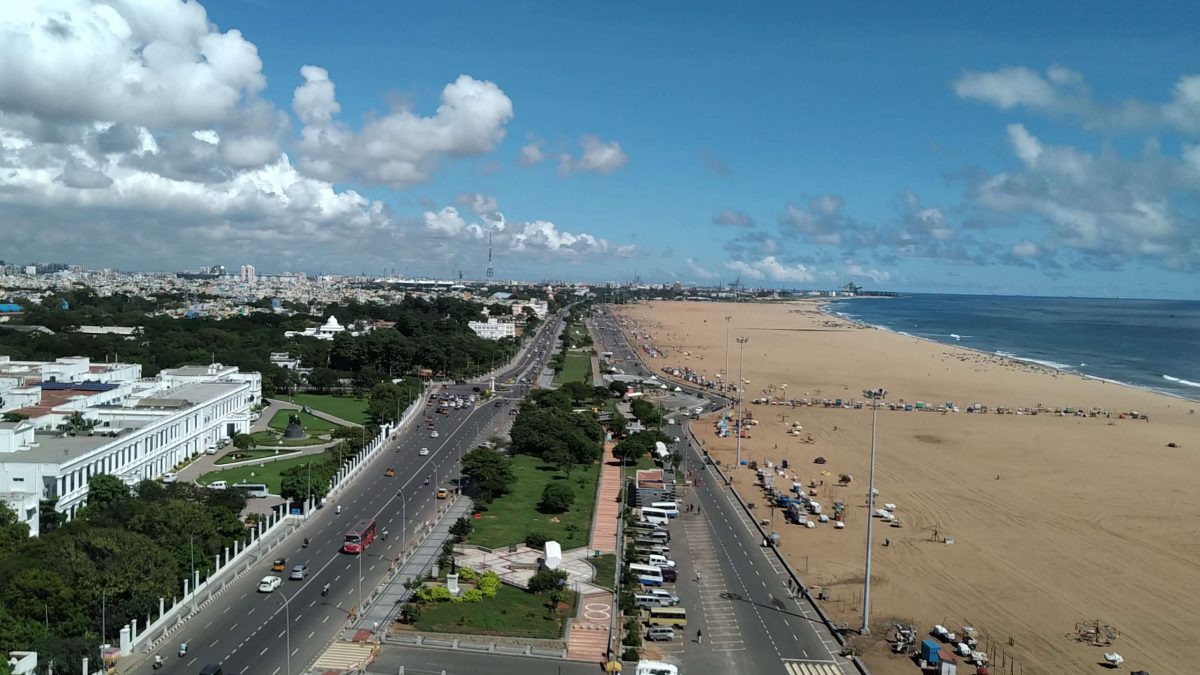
x=547, y=580
x=489, y=584
x=461, y=528
x=632, y=639
x=631, y=654
x=556, y=498
x=467, y=574
x=536, y=540
x=472, y=595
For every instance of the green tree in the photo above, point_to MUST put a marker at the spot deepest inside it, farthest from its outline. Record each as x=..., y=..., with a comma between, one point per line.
x=635, y=446
x=489, y=472
x=546, y=580
x=13, y=532
x=556, y=498
x=105, y=493
x=385, y=402
x=322, y=379
x=462, y=528
x=243, y=442
x=618, y=425
x=76, y=423
x=580, y=392
x=646, y=412
x=14, y=417
x=618, y=388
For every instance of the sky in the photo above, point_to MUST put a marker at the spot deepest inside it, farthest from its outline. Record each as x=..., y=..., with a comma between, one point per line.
x=1019, y=147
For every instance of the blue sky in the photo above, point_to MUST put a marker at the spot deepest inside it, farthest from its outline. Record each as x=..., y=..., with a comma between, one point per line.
x=1011, y=148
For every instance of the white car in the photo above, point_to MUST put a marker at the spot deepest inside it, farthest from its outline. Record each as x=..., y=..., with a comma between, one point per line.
x=169, y=478
x=269, y=584
x=424, y=452
x=433, y=434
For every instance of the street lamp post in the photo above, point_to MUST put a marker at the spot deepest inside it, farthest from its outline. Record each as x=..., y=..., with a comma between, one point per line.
x=727, y=320
x=287, y=615
x=742, y=340
x=866, y=619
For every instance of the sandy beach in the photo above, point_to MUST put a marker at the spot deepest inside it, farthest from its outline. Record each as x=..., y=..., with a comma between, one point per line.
x=1055, y=520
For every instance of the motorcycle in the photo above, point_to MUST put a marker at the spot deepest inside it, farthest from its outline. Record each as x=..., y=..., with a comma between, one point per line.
x=305, y=544
x=158, y=662
x=183, y=649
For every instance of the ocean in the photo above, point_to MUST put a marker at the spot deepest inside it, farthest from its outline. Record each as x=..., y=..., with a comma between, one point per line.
x=1152, y=344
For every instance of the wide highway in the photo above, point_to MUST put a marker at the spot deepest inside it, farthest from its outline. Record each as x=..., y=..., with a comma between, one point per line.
x=243, y=630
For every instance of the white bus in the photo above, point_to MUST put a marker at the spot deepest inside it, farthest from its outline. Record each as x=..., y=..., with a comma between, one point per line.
x=252, y=490
x=647, y=575
x=671, y=508
x=654, y=516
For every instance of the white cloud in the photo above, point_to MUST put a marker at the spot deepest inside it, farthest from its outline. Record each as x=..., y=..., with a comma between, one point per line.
x=733, y=218
x=444, y=223
x=531, y=153
x=769, y=268
x=544, y=237
x=480, y=205
x=598, y=156
x=1100, y=205
x=1061, y=91
x=1026, y=249
x=855, y=269
x=698, y=272
x=821, y=222
x=399, y=149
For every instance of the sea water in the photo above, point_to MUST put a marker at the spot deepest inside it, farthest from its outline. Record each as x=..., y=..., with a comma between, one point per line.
x=1152, y=344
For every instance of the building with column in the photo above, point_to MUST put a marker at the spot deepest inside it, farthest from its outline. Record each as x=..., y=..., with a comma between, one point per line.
x=131, y=427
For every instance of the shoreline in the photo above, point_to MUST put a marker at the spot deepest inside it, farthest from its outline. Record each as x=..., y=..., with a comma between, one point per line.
x=823, y=306
x=1000, y=512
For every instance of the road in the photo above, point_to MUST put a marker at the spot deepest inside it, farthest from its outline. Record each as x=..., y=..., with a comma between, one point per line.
x=423, y=661
x=286, y=630
x=741, y=599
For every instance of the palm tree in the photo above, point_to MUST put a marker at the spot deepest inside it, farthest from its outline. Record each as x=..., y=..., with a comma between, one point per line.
x=77, y=423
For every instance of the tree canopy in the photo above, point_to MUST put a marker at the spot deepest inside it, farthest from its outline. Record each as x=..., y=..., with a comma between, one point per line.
x=489, y=472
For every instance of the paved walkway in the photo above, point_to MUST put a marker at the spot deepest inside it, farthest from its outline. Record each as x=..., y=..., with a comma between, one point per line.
x=516, y=567
x=589, y=633
x=608, y=509
x=391, y=595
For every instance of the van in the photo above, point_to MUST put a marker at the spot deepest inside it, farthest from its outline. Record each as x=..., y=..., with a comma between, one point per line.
x=667, y=596
x=659, y=560
x=668, y=574
x=646, y=601
x=212, y=669
x=654, y=516
x=660, y=634
x=671, y=508
x=658, y=534
x=218, y=485
x=647, y=575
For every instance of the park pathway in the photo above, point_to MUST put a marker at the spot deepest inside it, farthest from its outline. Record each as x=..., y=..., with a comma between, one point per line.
x=589, y=633
x=608, y=509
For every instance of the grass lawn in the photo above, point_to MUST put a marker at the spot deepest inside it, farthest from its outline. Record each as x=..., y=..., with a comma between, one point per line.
x=606, y=569
x=345, y=407
x=515, y=515
x=272, y=439
x=577, y=367
x=249, y=454
x=269, y=472
x=512, y=612
x=311, y=423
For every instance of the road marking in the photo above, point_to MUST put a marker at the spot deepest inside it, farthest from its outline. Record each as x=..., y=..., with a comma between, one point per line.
x=295, y=650
x=214, y=643
x=264, y=651
x=325, y=619
x=281, y=633
x=310, y=635
x=275, y=672
x=233, y=626
x=312, y=603
x=207, y=625
x=251, y=611
x=812, y=668
x=227, y=608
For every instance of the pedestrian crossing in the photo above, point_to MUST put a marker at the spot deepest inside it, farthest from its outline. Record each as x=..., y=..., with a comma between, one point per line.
x=812, y=668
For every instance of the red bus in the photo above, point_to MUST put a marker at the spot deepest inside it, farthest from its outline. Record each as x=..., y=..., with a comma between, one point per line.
x=358, y=539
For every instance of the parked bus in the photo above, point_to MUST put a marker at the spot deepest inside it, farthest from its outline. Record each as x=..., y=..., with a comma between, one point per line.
x=647, y=575
x=252, y=490
x=359, y=538
x=667, y=616
x=654, y=516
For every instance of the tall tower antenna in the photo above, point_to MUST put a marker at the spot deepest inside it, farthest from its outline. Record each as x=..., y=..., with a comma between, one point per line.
x=491, y=271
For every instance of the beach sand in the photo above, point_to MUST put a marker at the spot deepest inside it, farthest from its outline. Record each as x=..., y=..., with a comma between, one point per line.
x=1055, y=520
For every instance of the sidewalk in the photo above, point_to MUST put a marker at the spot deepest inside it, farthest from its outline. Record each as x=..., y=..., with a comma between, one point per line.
x=608, y=509
x=390, y=596
x=277, y=405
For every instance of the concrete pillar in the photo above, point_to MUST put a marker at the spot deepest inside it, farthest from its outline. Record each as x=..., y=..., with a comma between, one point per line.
x=196, y=579
x=216, y=563
x=133, y=632
x=126, y=642
x=235, y=548
x=162, y=609
x=219, y=565
x=185, y=587
x=85, y=665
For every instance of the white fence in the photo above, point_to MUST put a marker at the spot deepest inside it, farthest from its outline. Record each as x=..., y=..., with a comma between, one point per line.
x=247, y=554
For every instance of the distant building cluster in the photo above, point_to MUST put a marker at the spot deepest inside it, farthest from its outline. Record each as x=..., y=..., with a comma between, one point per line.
x=70, y=419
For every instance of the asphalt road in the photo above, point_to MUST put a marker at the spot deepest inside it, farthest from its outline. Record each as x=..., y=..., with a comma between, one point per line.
x=243, y=629
x=779, y=634
x=424, y=661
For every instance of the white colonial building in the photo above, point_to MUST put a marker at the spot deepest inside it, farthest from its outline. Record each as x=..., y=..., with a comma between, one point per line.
x=493, y=329
x=139, y=428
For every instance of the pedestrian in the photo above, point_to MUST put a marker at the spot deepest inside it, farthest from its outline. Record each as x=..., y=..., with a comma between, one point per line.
x=375, y=627
x=697, y=576
x=699, y=637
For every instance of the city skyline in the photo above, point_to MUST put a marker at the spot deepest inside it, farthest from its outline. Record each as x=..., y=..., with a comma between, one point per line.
x=980, y=150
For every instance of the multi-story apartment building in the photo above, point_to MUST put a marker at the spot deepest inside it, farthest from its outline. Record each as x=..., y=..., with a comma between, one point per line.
x=134, y=428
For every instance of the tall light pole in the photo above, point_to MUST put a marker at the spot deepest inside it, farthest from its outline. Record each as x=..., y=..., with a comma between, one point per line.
x=287, y=615
x=742, y=340
x=727, y=320
x=866, y=620
x=361, y=552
